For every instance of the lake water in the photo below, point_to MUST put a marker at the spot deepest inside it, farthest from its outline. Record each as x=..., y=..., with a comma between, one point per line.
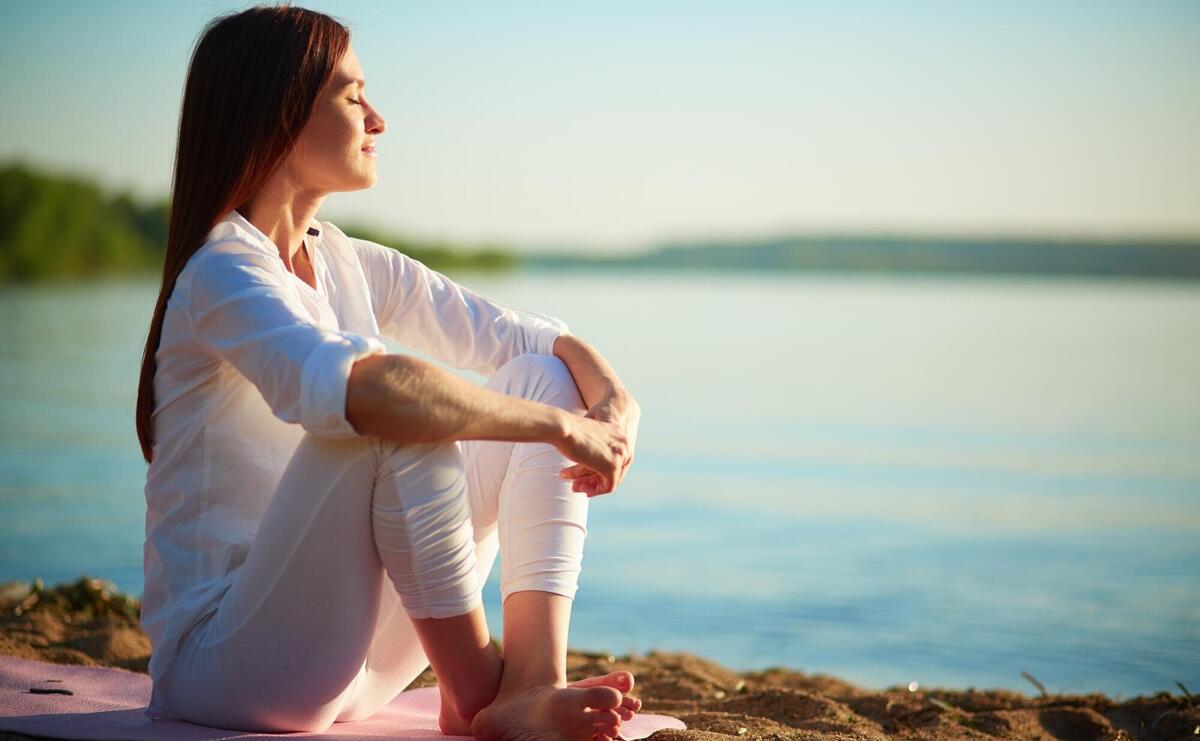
x=948, y=481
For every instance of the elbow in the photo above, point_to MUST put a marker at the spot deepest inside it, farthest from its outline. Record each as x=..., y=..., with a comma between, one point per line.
x=367, y=377
x=381, y=400
x=400, y=398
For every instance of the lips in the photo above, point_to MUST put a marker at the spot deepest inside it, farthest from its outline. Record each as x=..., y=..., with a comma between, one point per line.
x=369, y=150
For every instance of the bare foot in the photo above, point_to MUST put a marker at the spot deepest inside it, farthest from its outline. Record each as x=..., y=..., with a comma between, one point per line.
x=449, y=721
x=588, y=710
x=620, y=680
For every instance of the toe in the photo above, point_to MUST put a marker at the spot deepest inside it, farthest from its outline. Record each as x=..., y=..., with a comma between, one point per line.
x=621, y=680
x=602, y=698
x=605, y=721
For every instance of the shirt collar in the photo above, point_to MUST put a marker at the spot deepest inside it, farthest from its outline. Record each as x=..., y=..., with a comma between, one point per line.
x=235, y=220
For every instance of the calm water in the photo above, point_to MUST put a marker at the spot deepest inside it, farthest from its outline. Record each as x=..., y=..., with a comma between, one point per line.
x=947, y=481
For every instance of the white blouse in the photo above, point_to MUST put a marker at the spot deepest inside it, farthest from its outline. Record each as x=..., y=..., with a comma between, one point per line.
x=251, y=357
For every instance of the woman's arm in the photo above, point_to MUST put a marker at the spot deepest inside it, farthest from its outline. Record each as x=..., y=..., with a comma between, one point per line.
x=427, y=311
x=409, y=400
x=596, y=379
x=607, y=400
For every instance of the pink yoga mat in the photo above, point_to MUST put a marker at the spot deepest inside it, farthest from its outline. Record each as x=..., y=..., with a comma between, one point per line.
x=110, y=704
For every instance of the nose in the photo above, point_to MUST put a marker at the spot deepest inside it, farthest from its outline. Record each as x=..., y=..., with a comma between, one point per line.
x=375, y=123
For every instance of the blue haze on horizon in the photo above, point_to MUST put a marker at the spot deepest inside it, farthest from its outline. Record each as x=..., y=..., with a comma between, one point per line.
x=608, y=127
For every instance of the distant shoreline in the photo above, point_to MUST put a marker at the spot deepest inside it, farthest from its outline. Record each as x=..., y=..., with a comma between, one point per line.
x=61, y=226
x=940, y=256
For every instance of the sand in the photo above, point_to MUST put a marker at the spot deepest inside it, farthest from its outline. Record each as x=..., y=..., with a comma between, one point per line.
x=89, y=623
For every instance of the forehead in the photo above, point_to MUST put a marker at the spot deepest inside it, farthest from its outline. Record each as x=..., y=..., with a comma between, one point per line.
x=348, y=71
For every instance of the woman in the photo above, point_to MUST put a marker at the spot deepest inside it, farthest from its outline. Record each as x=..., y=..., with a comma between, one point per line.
x=321, y=515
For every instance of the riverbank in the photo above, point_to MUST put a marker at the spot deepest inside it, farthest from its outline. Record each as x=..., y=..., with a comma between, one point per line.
x=88, y=622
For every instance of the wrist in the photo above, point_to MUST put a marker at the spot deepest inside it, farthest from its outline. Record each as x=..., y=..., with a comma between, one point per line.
x=557, y=427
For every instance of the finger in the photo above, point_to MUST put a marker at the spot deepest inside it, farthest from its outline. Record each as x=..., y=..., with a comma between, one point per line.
x=621, y=473
x=585, y=483
x=573, y=472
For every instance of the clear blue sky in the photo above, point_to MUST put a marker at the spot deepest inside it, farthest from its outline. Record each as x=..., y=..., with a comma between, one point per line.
x=611, y=125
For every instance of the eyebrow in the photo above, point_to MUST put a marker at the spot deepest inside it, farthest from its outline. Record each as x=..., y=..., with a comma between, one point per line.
x=356, y=81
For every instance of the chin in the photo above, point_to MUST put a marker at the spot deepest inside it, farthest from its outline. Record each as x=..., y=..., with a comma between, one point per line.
x=362, y=182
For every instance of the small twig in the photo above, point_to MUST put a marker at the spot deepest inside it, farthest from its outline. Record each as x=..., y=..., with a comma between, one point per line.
x=1033, y=680
x=946, y=706
x=1161, y=715
x=1186, y=694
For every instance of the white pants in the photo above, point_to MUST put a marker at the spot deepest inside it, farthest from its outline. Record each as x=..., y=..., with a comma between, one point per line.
x=361, y=534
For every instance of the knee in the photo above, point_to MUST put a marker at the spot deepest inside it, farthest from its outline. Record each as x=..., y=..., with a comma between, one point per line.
x=536, y=365
x=437, y=466
x=538, y=377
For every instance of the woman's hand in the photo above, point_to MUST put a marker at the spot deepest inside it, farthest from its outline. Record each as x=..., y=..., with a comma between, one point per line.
x=606, y=437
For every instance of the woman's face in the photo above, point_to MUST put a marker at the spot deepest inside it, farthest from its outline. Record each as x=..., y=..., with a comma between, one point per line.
x=336, y=149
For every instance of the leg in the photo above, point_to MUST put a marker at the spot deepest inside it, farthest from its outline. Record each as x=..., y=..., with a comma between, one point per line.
x=287, y=646
x=518, y=507
x=315, y=571
x=521, y=508
x=541, y=526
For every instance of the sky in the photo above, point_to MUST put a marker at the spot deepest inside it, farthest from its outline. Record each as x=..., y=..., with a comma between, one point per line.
x=609, y=127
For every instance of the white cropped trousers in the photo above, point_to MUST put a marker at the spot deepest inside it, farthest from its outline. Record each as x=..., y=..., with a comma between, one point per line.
x=360, y=536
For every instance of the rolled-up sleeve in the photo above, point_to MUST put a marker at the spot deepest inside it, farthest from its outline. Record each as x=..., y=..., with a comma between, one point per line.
x=429, y=312
x=243, y=311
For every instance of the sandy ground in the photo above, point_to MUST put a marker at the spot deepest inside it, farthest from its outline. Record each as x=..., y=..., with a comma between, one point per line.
x=89, y=623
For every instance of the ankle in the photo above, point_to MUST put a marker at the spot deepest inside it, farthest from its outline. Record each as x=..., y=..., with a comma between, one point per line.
x=516, y=681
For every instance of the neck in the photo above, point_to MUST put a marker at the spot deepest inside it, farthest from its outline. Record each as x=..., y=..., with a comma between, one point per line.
x=283, y=213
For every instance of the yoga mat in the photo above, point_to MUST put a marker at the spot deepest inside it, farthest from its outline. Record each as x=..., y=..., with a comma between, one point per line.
x=110, y=704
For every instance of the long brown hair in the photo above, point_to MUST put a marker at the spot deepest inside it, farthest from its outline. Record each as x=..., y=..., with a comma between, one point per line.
x=251, y=86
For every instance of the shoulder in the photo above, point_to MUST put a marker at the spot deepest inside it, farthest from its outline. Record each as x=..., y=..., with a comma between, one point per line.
x=363, y=249
x=378, y=262
x=228, y=243
x=229, y=258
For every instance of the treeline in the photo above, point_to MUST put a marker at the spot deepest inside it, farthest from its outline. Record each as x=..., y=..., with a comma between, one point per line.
x=55, y=226
x=1172, y=259
x=59, y=226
